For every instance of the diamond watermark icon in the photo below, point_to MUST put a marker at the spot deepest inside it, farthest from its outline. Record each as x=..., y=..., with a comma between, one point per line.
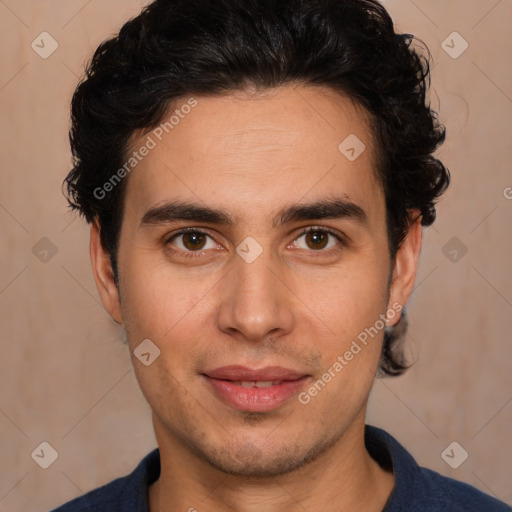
x=44, y=45
x=454, y=250
x=146, y=352
x=454, y=455
x=352, y=147
x=454, y=45
x=45, y=455
x=249, y=250
x=44, y=250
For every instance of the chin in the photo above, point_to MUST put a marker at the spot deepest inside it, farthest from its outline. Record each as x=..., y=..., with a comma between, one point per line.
x=249, y=461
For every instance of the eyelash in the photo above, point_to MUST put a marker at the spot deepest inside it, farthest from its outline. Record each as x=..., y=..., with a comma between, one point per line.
x=195, y=254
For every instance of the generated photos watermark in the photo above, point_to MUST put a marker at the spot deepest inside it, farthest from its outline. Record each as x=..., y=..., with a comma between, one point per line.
x=355, y=348
x=151, y=143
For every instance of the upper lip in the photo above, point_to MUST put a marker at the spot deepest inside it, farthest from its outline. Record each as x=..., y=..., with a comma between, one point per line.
x=242, y=373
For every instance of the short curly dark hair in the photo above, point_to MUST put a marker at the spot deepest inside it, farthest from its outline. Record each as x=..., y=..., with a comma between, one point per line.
x=176, y=48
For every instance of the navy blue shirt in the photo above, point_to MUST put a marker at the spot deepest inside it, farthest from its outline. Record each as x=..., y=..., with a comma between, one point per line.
x=416, y=489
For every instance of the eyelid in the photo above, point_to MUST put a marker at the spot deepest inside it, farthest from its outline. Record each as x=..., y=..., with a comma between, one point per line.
x=183, y=231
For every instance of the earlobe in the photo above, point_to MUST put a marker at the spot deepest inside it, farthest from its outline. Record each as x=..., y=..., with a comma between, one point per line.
x=405, y=266
x=104, y=275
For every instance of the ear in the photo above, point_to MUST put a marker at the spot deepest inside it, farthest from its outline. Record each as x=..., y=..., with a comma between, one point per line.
x=104, y=275
x=405, y=266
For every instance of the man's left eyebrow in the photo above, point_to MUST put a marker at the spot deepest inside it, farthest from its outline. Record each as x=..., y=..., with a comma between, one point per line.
x=333, y=208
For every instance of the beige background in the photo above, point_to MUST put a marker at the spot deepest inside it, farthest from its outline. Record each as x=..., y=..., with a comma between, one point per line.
x=66, y=378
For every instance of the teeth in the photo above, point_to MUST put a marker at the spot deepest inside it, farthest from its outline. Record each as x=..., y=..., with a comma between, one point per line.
x=264, y=384
x=257, y=384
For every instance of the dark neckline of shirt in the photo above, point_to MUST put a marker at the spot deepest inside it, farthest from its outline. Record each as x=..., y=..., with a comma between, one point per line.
x=416, y=488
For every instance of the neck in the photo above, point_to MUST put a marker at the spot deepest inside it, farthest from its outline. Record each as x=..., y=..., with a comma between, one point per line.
x=344, y=478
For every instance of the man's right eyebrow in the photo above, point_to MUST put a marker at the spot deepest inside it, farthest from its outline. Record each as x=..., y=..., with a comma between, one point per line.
x=178, y=211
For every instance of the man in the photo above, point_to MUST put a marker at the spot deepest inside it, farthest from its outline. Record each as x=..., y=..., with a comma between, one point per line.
x=256, y=175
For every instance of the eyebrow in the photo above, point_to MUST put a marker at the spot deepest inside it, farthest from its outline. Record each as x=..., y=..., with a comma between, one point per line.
x=331, y=208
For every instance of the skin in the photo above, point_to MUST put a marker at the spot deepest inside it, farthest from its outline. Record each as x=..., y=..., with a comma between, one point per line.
x=297, y=305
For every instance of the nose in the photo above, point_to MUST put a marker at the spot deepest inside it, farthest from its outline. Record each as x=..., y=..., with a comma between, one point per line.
x=256, y=303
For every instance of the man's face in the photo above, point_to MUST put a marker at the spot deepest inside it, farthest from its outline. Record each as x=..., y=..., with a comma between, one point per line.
x=256, y=292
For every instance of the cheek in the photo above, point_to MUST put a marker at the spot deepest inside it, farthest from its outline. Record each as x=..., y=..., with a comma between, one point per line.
x=351, y=308
x=155, y=297
x=165, y=311
x=347, y=300
x=351, y=349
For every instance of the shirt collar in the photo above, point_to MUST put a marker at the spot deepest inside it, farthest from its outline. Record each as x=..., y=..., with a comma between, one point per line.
x=382, y=447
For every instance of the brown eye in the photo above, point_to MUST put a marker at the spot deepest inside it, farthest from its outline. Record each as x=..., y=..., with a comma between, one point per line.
x=193, y=241
x=317, y=239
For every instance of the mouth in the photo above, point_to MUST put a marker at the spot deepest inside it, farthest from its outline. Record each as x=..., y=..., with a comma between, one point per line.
x=253, y=390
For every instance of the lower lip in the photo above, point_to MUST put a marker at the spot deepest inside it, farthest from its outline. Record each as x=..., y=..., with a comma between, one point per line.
x=255, y=399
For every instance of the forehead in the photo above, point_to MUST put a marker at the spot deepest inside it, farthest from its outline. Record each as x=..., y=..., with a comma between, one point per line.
x=257, y=150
